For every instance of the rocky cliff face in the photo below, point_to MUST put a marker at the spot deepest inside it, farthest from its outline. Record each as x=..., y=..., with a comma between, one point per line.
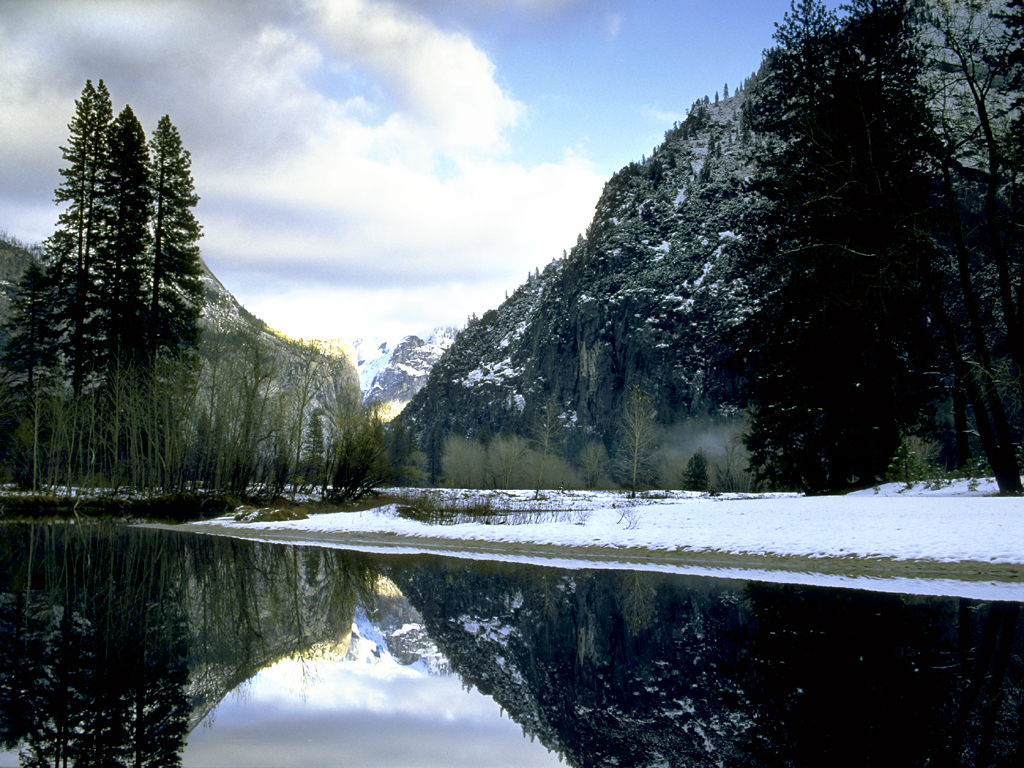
x=646, y=298
x=396, y=372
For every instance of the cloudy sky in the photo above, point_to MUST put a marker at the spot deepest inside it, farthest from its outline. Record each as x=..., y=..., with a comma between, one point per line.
x=371, y=168
x=370, y=715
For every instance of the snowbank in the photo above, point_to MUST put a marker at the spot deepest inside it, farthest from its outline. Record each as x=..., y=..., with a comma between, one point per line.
x=891, y=538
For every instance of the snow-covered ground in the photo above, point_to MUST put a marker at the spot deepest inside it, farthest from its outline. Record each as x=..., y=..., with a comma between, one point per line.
x=841, y=540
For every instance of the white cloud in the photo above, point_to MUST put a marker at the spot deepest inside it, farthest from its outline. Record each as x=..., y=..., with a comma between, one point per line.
x=613, y=23
x=441, y=79
x=351, y=156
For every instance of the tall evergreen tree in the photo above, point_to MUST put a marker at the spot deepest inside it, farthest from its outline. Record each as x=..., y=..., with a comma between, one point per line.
x=29, y=356
x=841, y=334
x=71, y=250
x=176, y=291
x=30, y=360
x=122, y=269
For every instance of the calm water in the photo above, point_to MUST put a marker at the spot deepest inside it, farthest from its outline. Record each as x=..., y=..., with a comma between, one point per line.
x=124, y=644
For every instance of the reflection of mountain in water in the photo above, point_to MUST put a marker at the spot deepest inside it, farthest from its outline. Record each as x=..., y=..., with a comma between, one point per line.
x=627, y=668
x=123, y=640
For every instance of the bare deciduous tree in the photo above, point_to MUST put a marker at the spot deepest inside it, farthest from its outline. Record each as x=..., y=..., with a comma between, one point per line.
x=639, y=437
x=594, y=464
x=506, y=460
x=464, y=462
x=545, y=433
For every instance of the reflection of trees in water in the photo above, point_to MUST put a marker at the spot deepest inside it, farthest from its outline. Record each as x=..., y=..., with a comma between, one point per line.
x=987, y=705
x=857, y=679
x=252, y=604
x=123, y=639
x=638, y=598
x=97, y=659
x=651, y=669
x=602, y=667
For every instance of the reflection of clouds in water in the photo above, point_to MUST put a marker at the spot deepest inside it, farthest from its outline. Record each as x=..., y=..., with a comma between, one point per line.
x=354, y=713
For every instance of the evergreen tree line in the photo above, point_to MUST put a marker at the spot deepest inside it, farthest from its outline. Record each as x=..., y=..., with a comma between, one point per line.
x=119, y=284
x=112, y=308
x=111, y=383
x=882, y=249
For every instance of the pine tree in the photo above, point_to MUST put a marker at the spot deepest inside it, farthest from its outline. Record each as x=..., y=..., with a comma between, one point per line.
x=696, y=476
x=122, y=258
x=841, y=342
x=979, y=303
x=176, y=290
x=29, y=358
x=71, y=250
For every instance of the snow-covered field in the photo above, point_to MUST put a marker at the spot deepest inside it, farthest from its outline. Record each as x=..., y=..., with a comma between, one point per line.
x=891, y=538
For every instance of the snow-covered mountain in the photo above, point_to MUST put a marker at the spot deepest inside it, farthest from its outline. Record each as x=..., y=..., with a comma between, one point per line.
x=394, y=372
x=388, y=646
x=646, y=298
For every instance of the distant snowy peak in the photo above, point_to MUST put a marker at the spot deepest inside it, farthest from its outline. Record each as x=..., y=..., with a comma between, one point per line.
x=408, y=647
x=372, y=355
x=392, y=372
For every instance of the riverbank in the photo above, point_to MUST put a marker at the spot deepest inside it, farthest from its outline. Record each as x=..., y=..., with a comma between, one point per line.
x=955, y=540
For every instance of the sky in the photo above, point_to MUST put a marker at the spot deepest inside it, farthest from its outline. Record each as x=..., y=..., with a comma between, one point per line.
x=369, y=168
x=383, y=714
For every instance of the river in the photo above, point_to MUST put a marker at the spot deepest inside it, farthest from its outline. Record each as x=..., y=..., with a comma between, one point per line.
x=129, y=646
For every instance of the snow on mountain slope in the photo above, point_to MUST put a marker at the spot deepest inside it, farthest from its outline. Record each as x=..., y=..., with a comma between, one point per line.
x=647, y=298
x=394, y=372
x=372, y=355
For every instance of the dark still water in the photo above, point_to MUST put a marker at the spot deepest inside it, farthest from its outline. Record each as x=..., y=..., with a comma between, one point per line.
x=121, y=645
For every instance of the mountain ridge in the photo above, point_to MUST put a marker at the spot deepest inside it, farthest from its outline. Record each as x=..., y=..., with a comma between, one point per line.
x=643, y=299
x=394, y=372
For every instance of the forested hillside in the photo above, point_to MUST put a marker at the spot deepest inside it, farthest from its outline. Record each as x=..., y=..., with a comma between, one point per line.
x=824, y=258
x=15, y=256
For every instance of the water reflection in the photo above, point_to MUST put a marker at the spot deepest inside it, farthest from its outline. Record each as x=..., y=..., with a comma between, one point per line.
x=125, y=640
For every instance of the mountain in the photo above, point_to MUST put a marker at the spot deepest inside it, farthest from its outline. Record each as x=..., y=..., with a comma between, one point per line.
x=391, y=372
x=222, y=309
x=828, y=267
x=646, y=298
x=221, y=313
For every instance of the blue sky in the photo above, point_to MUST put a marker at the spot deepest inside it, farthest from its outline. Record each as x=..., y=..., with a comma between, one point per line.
x=373, y=168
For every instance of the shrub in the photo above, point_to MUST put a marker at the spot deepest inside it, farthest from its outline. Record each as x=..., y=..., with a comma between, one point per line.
x=696, y=477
